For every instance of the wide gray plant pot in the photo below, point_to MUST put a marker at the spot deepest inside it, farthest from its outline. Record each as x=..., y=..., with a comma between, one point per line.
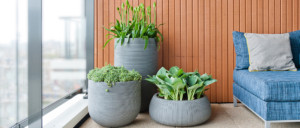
x=117, y=107
x=133, y=56
x=180, y=113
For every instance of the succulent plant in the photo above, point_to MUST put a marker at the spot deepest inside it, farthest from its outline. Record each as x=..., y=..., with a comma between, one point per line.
x=111, y=74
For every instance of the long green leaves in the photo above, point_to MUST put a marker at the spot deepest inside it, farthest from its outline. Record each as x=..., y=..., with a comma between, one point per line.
x=139, y=25
x=175, y=84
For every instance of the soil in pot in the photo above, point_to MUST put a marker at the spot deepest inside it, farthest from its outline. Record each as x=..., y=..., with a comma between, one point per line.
x=114, y=106
x=180, y=113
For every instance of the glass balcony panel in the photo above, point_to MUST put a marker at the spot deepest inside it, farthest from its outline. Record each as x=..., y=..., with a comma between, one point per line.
x=13, y=62
x=64, y=61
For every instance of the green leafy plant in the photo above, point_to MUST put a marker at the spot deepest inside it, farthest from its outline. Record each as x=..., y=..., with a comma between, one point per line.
x=175, y=84
x=135, y=22
x=111, y=74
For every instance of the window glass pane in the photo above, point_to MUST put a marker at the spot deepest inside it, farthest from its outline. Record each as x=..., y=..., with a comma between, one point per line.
x=13, y=62
x=64, y=59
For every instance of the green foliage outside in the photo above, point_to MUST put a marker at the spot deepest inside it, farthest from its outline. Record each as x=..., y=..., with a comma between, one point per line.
x=175, y=84
x=135, y=22
x=111, y=74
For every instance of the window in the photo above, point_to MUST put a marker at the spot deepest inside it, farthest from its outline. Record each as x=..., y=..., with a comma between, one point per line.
x=65, y=56
x=13, y=61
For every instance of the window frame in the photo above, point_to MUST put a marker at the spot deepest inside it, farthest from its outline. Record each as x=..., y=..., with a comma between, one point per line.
x=35, y=72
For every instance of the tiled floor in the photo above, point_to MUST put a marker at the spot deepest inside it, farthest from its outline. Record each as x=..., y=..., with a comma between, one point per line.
x=223, y=116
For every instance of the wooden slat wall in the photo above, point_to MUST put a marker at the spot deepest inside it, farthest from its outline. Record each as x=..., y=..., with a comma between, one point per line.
x=198, y=33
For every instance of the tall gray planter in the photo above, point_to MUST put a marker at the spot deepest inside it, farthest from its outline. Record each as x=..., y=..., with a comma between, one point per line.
x=180, y=113
x=133, y=56
x=117, y=107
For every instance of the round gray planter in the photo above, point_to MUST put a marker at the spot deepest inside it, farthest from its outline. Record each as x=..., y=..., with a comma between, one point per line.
x=180, y=113
x=133, y=56
x=117, y=107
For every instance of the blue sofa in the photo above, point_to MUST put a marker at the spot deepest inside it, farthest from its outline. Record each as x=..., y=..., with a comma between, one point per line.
x=274, y=96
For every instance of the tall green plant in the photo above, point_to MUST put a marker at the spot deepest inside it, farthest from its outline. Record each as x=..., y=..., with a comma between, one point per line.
x=175, y=84
x=137, y=25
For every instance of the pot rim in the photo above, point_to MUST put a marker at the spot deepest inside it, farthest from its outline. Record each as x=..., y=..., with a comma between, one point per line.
x=139, y=81
x=179, y=101
x=134, y=38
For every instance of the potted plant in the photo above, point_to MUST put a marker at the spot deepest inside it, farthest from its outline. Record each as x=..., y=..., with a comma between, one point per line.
x=180, y=100
x=114, y=95
x=137, y=39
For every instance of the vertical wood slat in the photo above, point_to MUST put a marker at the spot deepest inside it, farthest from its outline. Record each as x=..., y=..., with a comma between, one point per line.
x=289, y=15
x=195, y=30
x=198, y=33
x=182, y=55
x=243, y=15
x=189, y=29
x=260, y=16
x=230, y=49
x=254, y=16
x=249, y=12
x=272, y=16
x=277, y=16
x=165, y=31
x=111, y=20
x=283, y=16
x=295, y=14
x=266, y=16
x=172, y=33
x=105, y=22
x=213, y=47
x=218, y=70
x=207, y=40
x=159, y=20
x=224, y=35
x=201, y=36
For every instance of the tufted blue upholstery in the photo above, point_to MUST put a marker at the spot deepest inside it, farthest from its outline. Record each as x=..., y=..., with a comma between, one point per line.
x=270, y=85
x=268, y=110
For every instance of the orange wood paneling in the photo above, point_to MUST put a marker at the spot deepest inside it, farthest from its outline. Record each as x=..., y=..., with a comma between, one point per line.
x=198, y=33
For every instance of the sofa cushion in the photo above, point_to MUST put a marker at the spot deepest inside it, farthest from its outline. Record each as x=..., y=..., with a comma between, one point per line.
x=242, y=55
x=295, y=45
x=270, y=85
x=241, y=50
x=262, y=57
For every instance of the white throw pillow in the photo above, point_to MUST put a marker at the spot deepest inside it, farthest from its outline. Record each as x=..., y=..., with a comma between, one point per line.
x=270, y=52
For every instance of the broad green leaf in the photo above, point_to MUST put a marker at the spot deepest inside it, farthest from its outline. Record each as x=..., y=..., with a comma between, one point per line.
x=208, y=82
x=162, y=70
x=174, y=70
x=192, y=80
x=179, y=72
x=194, y=87
x=200, y=90
x=177, y=83
x=204, y=77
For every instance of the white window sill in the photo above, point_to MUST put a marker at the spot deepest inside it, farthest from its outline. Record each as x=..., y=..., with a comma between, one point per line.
x=68, y=114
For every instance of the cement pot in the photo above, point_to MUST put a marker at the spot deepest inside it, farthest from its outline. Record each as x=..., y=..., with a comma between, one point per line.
x=133, y=56
x=180, y=113
x=115, y=107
